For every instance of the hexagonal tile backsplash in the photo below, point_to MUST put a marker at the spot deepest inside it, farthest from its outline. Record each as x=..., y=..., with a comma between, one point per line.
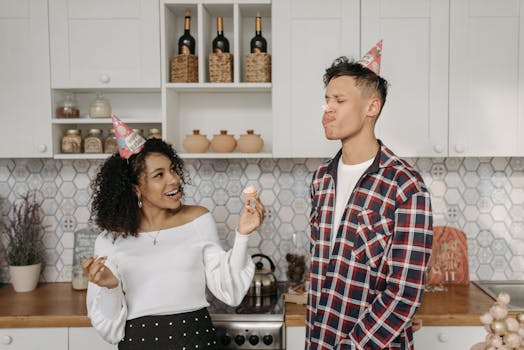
x=482, y=196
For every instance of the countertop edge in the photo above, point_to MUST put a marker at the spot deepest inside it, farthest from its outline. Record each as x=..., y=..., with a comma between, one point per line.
x=44, y=321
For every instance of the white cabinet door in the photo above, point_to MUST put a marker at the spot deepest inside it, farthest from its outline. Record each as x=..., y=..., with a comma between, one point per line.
x=295, y=338
x=33, y=338
x=86, y=338
x=486, y=78
x=413, y=122
x=25, y=102
x=101, y=43
x=311, y=34
x=446, y=338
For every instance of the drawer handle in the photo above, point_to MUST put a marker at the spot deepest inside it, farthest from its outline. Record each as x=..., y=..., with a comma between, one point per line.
x=6, y=339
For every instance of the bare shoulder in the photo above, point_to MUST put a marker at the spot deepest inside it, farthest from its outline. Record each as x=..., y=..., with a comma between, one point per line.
x=192, y=212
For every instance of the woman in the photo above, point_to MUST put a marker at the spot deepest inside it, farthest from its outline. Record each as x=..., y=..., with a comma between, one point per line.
x=148, y=277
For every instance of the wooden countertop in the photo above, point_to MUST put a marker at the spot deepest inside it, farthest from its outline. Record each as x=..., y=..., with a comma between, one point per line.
x=58, y=305
x=458, y=306
x=49, y=305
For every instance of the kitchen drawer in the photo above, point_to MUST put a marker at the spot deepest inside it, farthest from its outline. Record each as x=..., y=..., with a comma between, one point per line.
x=33, y=338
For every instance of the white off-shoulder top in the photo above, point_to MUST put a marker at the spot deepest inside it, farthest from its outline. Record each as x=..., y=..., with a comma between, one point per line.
x=169, y=277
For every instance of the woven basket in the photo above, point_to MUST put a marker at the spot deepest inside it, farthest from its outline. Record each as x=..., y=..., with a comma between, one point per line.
x=221, y=67
x=184, y=69
x=258, y=67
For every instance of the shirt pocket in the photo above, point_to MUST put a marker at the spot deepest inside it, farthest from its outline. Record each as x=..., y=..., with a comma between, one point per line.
x=372, y=237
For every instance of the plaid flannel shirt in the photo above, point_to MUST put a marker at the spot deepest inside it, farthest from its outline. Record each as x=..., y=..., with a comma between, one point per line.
x=364, y=292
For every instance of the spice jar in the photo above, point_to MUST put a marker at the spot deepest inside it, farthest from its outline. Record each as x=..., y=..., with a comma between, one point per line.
x=93, y=141
x=139, y=132
x=111, y=143
x=72, y=141
x=250, y=142
x=100, y=107
x=223, y=142
x=68, y=107
x=154, y=133
x=196, y=142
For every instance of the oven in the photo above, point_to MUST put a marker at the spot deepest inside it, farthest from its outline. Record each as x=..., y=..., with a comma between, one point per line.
x=257, y=323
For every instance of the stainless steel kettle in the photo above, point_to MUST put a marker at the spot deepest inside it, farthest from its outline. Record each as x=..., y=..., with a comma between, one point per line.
x=264, y=282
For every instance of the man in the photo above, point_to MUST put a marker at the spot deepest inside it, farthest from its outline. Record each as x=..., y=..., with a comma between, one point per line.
x=371, y=223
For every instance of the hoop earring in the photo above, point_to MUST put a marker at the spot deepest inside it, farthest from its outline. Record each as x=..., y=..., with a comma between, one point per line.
x=140, y=202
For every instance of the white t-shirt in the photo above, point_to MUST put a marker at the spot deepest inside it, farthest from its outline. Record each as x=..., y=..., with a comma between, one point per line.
x=347, y=178
x=169, y=277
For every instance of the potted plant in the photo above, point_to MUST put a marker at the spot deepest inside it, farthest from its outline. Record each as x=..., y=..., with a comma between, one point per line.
x=24, y=247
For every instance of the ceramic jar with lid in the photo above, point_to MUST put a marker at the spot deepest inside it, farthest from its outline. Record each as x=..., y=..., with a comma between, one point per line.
x=72, y=141
x=93, y=142
x=100, y=107
x=68, y=107
x=223, y=142
x=196, y=142
x=250, y=142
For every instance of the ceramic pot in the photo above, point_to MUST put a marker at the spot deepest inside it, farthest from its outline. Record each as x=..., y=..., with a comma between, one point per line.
x=250, y=142
x=196, y=143
x=223, y=142
x=25, y=278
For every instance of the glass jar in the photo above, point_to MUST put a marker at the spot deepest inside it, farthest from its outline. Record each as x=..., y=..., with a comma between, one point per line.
x=79, y=279
x=68, y=107
x=111, y=143
x=72, y=141
x=93, y=141
x=296, y=259
x=154, y=133
x=100, y=107
x=139, y=132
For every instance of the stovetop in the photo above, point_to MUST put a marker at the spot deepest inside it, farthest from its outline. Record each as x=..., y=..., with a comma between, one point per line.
x=268, y=308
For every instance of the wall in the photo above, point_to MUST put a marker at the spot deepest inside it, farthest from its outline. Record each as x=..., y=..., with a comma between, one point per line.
x=482, y=196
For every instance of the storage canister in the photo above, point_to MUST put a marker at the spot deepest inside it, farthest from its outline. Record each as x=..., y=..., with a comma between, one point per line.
x=196, y=142
x=72, y=141
x=154, y=133
x=250, y=142
x=223, y=142
x=100, y=107
x=110, y=143
x=93, y=141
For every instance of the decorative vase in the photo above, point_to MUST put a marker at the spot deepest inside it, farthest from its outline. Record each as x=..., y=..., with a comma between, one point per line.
x=223, y=142
x=250, y=142
x=25, y=278
x=196, y=143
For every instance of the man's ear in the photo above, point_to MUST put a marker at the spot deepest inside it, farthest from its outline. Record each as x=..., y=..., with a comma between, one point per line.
x=374, y=107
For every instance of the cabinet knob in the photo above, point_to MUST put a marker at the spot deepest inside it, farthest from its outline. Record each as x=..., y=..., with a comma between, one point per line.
x=42, y=148
x=459, y=148
x=6, y=339
x=438, y=148
x=443, y=337
x=104, y=78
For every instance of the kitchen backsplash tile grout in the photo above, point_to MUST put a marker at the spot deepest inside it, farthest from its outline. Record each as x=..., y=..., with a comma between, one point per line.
x=482, y=196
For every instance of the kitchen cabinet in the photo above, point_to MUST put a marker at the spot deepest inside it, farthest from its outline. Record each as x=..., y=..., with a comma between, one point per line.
x=486, y=78
x=445, y=338
x=24, y=74
x=33, y=338
x=104, y=44
x=415, y=51
x=86, y=338
x=210, y=107
x=311, y=34
x=108, y=46
x=295, y=338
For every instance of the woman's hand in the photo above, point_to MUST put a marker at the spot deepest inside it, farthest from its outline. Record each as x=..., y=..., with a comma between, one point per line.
x=252, y=215
x=98, y=273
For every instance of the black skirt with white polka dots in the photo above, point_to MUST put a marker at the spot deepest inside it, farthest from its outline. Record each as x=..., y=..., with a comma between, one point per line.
x=185, y=331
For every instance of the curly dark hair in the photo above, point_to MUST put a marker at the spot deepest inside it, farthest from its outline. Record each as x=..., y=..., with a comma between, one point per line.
x=115, y=204
x=365, y=79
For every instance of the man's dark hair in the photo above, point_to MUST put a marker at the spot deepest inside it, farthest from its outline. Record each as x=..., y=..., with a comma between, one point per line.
x=368, y=81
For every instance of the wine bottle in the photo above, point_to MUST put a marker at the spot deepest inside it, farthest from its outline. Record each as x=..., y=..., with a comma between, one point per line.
x=220, y=43
x=258, y=43
x=186, y=43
